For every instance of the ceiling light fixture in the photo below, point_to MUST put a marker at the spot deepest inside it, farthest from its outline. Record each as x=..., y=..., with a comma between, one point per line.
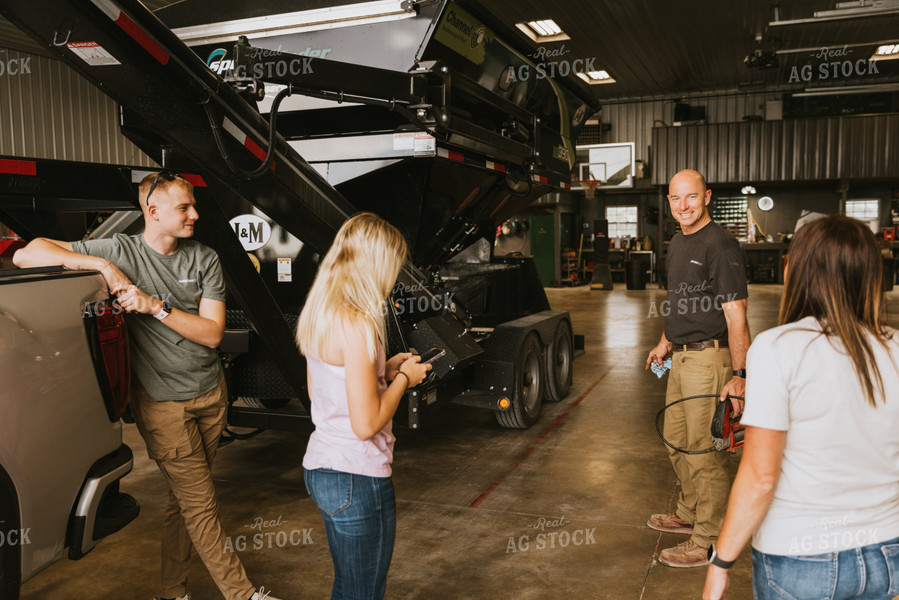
x=848, y=89
x=596, y=77
x=816, y=49
x=886, y=52
x=294, y=22
x=747, y=190
x=856, y=9
x=544, y=30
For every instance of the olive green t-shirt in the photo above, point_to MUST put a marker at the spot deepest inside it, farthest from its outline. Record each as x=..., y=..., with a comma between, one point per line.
x=168, y=365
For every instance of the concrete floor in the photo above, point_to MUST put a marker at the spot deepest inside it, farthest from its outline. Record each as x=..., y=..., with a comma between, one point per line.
x=473, y=499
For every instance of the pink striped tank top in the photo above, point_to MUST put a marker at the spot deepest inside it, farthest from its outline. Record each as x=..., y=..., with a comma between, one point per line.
x=333, y=445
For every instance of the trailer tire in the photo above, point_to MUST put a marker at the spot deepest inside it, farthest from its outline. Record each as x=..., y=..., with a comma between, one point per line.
x=559, y=363
x=527, y=393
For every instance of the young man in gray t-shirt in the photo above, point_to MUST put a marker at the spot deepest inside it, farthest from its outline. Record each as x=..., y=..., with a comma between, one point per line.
x=173, y=290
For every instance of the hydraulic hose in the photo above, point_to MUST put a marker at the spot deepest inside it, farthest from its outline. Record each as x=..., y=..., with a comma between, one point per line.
x=661, y=412
x=272, y=132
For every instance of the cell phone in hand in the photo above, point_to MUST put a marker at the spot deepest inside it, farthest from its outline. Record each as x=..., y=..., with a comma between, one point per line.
x=431, y=355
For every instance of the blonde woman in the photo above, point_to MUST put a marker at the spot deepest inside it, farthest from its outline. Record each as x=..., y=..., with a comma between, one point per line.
x=342, y=333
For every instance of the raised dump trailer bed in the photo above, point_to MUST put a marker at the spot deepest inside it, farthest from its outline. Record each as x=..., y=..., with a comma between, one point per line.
x=442, y=138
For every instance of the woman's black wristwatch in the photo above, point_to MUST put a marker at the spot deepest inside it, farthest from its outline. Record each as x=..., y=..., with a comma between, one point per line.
x=716, y=560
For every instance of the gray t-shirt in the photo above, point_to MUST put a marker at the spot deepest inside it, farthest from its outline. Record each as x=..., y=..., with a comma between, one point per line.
x=705, y=270
x=169, y=366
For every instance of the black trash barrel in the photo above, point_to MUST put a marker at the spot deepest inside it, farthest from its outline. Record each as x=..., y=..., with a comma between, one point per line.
x=635, y=273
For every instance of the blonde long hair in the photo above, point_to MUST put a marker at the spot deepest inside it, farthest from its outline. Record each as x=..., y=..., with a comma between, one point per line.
x=835, y=274
x=354, y=279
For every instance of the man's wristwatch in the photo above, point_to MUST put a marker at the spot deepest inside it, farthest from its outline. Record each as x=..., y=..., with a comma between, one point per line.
x=740, y=373
x=716, y=560
x=164, y=311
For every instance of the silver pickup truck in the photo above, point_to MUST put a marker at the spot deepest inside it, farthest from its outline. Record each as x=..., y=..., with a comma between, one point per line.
x=64, y=376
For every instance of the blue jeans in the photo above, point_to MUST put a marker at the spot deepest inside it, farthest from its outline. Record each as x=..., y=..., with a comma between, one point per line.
x=870, y=572
x=360, y=520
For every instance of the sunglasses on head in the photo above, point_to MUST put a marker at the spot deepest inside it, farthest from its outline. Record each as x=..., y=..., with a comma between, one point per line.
x=165, y=174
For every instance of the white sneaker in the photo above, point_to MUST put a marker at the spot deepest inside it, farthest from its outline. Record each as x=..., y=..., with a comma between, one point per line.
x=262, y=595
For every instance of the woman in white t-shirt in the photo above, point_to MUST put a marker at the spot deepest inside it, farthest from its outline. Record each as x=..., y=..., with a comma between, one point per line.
x=818, y=483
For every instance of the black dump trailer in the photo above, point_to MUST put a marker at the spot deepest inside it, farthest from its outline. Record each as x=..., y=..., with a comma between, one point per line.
x=437, y=121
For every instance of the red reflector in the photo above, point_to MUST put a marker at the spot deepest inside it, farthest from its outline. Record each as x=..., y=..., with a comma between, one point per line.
x=253, y=147
x=18, y=167
x=195, y=180
x=114, y=347
x=257, y=150
x=456, y=156
x=9, y=247
x=131, y=28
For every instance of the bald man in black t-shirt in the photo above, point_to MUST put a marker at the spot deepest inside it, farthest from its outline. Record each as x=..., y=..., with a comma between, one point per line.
x=707, y=336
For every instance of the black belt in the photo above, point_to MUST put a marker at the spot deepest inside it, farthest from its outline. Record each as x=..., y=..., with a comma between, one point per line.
x=700, y=345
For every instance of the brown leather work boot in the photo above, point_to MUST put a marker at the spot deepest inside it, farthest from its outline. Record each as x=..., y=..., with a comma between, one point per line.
x=685, y=555
x=669, y=524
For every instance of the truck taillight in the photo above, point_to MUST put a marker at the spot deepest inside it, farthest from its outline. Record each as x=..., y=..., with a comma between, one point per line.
x=108, y=337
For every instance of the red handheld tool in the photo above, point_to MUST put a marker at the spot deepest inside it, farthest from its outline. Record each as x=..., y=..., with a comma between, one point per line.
x=727, y=431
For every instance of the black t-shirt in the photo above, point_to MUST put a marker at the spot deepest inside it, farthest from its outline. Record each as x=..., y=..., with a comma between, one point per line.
x=705, y=269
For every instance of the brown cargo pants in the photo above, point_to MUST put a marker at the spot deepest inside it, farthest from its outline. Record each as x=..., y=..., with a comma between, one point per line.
x=182, y=437
x=705, y=480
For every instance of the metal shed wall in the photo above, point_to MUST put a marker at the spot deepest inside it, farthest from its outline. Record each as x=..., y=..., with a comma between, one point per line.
x=634, y=121
x=791, y=150
x=49, y=111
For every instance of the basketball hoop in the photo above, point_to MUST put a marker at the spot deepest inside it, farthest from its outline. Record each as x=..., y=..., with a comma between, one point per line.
x=590, y=187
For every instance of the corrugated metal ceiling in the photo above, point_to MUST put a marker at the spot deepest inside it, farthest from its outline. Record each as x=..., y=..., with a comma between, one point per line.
x=651, y=47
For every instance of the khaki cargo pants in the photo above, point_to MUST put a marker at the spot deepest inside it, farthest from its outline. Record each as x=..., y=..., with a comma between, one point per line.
x=182, y=437
x=705, y=480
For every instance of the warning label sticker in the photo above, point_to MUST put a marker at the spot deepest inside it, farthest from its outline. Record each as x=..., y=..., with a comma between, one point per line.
x=403, y=141
x=92, y=53
x=285, y=272
x=425, y=144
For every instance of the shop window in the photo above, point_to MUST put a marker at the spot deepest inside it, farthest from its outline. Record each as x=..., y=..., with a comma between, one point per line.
x=863, y=210
x=622, y=220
